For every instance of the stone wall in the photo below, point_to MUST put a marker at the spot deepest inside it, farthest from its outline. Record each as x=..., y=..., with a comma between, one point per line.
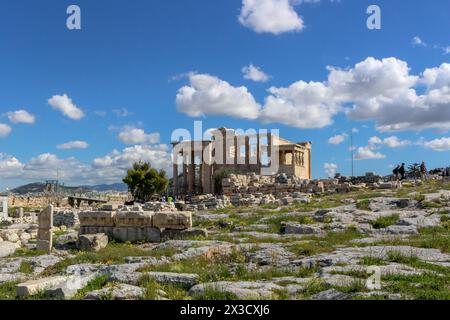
x=134, y=226
x=68, y=218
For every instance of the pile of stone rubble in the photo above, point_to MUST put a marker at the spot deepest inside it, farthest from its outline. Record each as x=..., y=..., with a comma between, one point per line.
x=206, y=202
x=281, y=183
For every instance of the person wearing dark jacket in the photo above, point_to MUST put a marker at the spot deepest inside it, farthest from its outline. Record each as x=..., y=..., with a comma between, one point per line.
x=402, y=171
x=395, y=172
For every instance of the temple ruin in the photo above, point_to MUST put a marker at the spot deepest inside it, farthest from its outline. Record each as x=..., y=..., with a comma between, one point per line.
x=195, y=163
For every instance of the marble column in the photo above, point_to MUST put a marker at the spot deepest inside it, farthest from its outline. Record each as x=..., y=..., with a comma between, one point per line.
x=191, y=173
x=185, y=173
x=175, y=175
x=258, y=152
x=236, y=150
x=247, y=150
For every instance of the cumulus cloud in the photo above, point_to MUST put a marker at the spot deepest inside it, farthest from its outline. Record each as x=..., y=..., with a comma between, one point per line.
x=442, y=144
x=66, y=106
x=390, y=142
x=338, y=139
x=401, y=108
x=254, y=73
x=5, y=130
x=330, y=169
x=132, y=135
x=270, y=16
x=9, y=166
x=20, y=116
x=365, y=153
x=73, y=145
x=207, y=94
x=114, y=165
x=382, y=91
x=302, y=105
x=110, y=168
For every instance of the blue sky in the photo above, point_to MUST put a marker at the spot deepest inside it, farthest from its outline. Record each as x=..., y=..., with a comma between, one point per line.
x=112, y=86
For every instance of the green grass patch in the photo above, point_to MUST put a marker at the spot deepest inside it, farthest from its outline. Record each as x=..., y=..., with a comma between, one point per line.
x=153, y=290
x=314, y=245
x=431, y=204
x=25, y=252
x=95, y=284
x=8, y=290
x=384, y=222
x=211, y=293
x=430, y=237
x=372, y=261
x=25, y=267
x=114, y=253
x=399, y=257
x=427, y=286
x=363, y=205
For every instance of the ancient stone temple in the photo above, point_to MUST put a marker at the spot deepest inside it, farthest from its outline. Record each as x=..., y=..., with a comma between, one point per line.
x=195, y=163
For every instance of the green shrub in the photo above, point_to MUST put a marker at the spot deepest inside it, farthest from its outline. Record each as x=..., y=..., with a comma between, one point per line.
x=384, y=222
x=363, y=205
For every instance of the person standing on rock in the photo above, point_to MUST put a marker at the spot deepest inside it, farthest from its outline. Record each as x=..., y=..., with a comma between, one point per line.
x=423, y=171
x=395, y=172
x=402, y=172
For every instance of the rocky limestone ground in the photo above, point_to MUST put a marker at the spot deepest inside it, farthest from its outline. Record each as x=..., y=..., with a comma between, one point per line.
x=324, y=248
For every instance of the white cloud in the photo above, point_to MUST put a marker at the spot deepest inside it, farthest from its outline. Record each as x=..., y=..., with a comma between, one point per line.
x=417, y=41
x=131, y=135
x=330, y=169
x=270, y=16
x=442, y=144
x=21, y=116
x=302, y=105
x=108, y=169
x=73, y=145
x=254, y=73
x=66, y=106
x=5, y=130
x=209, y=95
x=114, y=165
x=9, y=166
x=371, y=78
x=365, y=153
x=122, y=112
x=338, y=139
x=390, y=142
x=382, y=91
x=436, y=78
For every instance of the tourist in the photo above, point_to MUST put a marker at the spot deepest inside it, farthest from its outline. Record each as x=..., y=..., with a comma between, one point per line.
x=423, y=171
x=402, y=171
x=395, y=172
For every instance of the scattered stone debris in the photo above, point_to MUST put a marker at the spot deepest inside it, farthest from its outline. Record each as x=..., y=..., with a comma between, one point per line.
x=92, y=242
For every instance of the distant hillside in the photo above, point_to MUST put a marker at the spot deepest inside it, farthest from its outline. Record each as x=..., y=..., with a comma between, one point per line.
x=39, y=187
x=108, y=187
